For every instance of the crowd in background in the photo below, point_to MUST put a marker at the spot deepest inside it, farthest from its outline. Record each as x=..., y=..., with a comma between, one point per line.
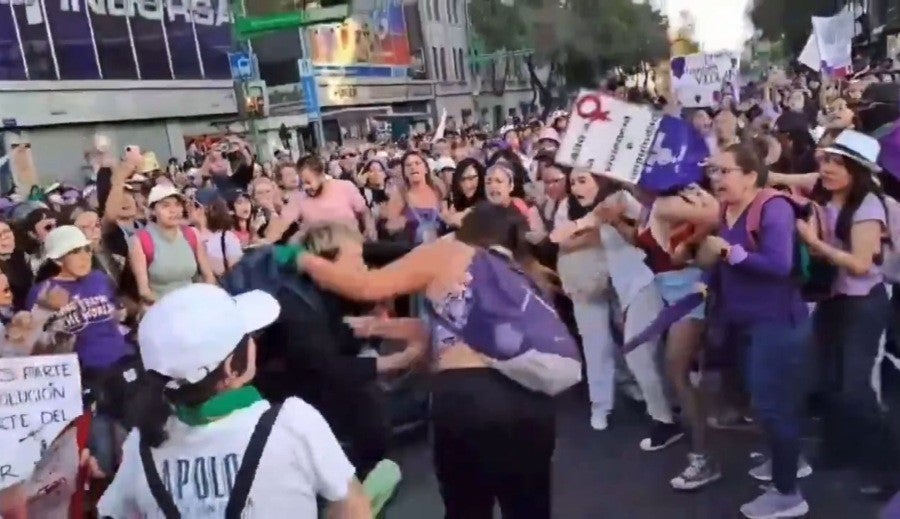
x=788, y=236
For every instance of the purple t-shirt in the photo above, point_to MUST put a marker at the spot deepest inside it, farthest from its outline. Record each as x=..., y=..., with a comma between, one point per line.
x=871, y=209
x=755, y=285
x=92, y=316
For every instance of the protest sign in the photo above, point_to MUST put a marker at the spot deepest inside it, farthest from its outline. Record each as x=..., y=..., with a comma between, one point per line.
x=608, y=136
x=834, y=38
x=632, y=143
x=39, y=397
x=50, y=487
x=700, y=79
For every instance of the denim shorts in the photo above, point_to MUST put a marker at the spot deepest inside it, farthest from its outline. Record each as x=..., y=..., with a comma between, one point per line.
x=677, y=284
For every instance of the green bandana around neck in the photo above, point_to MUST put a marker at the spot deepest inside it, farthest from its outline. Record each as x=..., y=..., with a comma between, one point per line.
x=218, y=406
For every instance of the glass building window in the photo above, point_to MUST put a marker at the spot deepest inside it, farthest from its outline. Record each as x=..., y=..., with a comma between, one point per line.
x=72, y=40
x=113, y=37
x=149, y=37
x=214, y=37
x=183, y=44
x=35, y=41
x=12, y=65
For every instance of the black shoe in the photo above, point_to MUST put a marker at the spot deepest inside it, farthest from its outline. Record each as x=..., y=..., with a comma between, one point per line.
x=661, y=436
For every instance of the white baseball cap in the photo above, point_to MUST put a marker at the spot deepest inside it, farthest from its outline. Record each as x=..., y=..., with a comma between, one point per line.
x=444, y=163
x=163, y=191
x=188, y=333
x=63, y=240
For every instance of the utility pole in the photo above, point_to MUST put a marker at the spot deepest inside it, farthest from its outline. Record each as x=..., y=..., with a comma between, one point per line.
x=241, y=44
x=318, y=127
x=248, y=27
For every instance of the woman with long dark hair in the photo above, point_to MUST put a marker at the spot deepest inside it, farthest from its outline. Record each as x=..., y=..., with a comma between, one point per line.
x=466, y=190
x=14, y=264
x=204, y=436
x=413, y=210
x=849, y=324
x=494, y=438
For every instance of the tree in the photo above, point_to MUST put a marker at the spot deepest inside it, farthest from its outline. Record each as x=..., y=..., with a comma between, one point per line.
x=789, y=20
x=579, y=39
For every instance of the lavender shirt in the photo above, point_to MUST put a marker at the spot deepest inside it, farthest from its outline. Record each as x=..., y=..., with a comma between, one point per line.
x=92, y=316
x=755, y=285
x=871, y=209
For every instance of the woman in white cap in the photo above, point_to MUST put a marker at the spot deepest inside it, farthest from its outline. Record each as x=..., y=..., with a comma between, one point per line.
x=167, y=255
x=84, y=303
x=849, y=325
x=206, y=444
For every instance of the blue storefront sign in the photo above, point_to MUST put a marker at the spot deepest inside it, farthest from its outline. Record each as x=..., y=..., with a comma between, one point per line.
x=180, y=39
x=241, y=64
x=310, y=89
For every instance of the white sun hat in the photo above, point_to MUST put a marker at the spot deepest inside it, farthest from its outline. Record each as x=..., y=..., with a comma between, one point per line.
x=63, y=240
x=857, y=146
x=188, y=333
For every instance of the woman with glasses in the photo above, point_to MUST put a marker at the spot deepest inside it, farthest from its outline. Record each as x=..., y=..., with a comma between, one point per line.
x=466, y=190
x=764, y=314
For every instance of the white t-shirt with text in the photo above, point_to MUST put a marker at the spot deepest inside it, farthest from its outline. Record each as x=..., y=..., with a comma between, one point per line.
x=302, y=460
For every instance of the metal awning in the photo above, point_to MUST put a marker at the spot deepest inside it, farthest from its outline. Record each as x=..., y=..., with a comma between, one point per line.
x=410, y=115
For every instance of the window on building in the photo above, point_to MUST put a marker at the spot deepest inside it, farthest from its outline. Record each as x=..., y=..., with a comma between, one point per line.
x=428, y=15
x=12, y=67
x=112, y=37
x=462, y=65
x=437, y=10
x=455, y=64
x=450, y=11
x=435, y=70
x=455, y=11
x=443, y=65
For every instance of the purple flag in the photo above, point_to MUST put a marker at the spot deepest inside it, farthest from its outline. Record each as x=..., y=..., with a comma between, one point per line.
x=675, y=158
x=669, y=316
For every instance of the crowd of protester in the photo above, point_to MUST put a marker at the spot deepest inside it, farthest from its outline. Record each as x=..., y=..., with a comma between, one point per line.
x=273, y=310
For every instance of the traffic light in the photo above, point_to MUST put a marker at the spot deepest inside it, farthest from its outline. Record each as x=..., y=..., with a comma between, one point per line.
x=252, y=99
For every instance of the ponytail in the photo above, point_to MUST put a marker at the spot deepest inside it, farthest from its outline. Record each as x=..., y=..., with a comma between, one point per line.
x=149, y=409
x=154, y=398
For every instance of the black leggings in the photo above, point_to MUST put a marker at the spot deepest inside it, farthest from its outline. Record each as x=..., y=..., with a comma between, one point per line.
x=493, y=440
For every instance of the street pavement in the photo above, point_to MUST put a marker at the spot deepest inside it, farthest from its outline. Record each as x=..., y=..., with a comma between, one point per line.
x=605, y=475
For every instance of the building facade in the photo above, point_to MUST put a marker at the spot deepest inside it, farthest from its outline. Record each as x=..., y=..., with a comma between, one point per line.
x=469, y=92
x=156, y=73
x=148, y=73
x=369, y=72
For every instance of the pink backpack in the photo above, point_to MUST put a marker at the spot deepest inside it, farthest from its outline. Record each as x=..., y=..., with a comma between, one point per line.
x=800, y=203
x=146, y=241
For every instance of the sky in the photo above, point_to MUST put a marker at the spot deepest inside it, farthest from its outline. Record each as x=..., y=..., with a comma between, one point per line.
x=720, y=24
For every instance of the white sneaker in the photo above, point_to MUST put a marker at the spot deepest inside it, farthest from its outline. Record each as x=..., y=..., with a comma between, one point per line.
x=599, y=418
x=763, y=471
